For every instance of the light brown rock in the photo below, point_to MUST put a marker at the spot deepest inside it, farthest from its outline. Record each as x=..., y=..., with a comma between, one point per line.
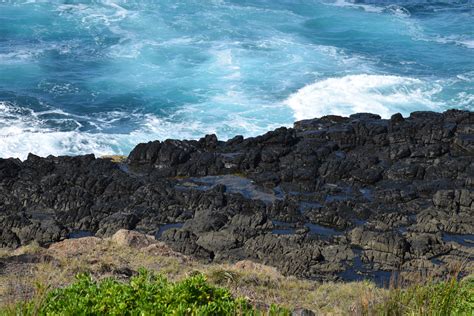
x=248, y=265
x=132, y=239
x=74, y=247
x=161, y=249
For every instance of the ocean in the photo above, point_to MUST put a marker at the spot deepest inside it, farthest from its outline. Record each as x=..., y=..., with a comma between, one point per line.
x=99, y=77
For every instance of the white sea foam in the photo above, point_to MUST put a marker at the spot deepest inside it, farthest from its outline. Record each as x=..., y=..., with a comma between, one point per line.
x=203, y=73
x=469, y=43
x=379, y=94
x=365, y=7
x=416, y=31
x=17, y=141
x=23, y=131
x=398, y=11
x=452, y=39
x=467, y=76
x=464, y=99
x=413, y=27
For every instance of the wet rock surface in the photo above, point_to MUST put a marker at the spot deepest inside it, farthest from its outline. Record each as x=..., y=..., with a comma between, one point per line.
x=336, y=197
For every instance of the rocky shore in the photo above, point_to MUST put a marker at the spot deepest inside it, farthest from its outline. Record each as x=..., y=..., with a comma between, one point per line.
x=331, y=198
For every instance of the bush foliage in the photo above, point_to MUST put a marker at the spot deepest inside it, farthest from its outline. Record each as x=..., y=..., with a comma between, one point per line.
x=145, y=294
x=152, y=294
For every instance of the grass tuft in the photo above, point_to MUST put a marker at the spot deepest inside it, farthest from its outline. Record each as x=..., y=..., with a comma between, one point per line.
x=223, y=276
x=450, y=297
x=25, y=286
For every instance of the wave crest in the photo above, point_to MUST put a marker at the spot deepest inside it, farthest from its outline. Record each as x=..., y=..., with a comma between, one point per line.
x=381, y=94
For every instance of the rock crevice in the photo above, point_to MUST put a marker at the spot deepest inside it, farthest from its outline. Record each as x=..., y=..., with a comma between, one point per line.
x=329, y=196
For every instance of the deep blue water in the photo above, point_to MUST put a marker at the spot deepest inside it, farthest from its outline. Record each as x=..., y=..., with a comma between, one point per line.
x=100, y=76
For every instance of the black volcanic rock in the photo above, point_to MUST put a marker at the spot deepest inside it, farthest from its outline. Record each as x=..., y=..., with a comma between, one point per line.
x=333, y=197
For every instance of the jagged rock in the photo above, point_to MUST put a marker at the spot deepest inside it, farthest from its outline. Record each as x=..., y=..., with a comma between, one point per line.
x=309, y=199
x=219, y=241
x=115, y=222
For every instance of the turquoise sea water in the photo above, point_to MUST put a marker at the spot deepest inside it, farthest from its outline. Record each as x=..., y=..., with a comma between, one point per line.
x=100, y=76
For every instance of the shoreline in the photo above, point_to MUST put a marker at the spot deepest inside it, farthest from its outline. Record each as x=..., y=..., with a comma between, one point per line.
x=334, y=198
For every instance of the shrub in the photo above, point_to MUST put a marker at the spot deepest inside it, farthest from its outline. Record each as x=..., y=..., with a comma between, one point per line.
x=145, y=294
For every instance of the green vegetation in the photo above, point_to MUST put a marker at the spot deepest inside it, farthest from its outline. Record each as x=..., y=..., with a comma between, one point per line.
x=103, y=286
x=152, y=294
x=452, y=297
x=145, y=294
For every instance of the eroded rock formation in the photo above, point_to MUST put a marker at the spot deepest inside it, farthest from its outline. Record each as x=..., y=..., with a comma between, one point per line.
x=335, y=197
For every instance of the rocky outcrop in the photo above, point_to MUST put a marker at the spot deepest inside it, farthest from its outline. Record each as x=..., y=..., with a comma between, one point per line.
x=334, y=197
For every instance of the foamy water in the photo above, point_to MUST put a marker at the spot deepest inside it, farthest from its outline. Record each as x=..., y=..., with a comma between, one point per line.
x=100, y=76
